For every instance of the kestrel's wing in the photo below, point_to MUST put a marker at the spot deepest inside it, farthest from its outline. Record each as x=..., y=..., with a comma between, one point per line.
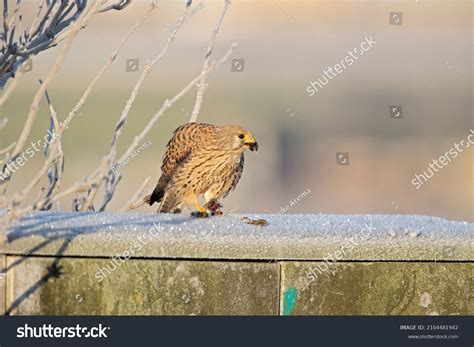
x=186, y=139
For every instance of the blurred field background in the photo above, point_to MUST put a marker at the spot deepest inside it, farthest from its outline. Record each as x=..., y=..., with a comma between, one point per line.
x=424, y=65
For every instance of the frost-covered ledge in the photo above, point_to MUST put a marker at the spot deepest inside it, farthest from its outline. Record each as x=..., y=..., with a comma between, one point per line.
x=146, y=263
x=286, y=237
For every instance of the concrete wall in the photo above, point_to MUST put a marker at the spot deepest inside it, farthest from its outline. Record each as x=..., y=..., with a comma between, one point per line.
x=148, y=264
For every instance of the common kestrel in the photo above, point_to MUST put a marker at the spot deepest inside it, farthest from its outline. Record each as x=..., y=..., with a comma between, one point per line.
x=201, y=159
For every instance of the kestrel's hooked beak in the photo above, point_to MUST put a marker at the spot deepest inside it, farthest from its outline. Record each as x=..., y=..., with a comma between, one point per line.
x=251, y=143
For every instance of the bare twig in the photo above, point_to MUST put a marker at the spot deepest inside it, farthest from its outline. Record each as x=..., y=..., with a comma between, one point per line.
x=52, y=155
x=84, y=186
x=37, y=17
x=137, y=200
x=120, y=5
x=62, y=127
x=202, y=86
x=53, y=143
x=15, y=214
x=10, y=88
x=7, y=149
x=170, y=102
x=38, y=96
x=50, y=77
x=109, y=62
x=112, y=182
x=52, y=23
x=109, y=176
x=55, y=12
x=148, y=68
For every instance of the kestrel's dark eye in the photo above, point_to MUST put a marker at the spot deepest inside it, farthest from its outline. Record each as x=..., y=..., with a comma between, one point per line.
x=241, y=136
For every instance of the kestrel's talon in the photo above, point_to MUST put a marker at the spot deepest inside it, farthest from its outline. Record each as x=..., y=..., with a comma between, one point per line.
x=213, y=205
x=200, y=214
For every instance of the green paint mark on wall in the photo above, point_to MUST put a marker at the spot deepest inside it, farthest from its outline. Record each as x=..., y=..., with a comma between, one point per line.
x=289, y=301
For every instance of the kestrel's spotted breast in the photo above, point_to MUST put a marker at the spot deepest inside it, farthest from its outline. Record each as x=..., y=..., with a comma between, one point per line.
x=201, y=159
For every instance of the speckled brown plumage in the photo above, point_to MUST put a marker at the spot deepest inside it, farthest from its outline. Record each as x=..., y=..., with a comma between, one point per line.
x=201, y=159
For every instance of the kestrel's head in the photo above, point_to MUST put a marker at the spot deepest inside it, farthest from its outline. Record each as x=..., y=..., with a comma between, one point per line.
x=234, y=137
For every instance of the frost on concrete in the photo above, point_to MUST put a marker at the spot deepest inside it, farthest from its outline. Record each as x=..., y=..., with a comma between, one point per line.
x=291, y=236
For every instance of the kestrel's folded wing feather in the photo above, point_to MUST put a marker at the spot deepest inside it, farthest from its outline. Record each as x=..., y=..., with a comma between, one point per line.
x=186, y=139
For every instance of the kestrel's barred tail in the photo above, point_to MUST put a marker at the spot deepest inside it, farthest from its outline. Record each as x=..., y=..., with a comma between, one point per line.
x=159, y=191
x=159, y=195
x=169, y=204
x=201, y=159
